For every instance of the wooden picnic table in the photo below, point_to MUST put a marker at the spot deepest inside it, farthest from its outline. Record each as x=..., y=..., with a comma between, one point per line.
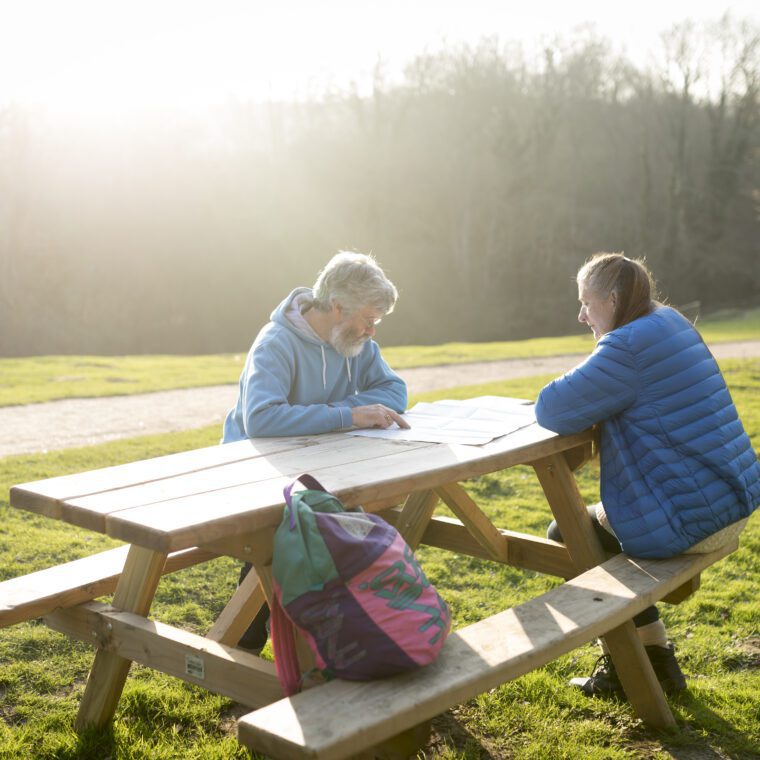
x=177, y=510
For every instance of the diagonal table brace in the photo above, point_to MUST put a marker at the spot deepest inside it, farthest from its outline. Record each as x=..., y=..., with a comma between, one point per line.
x=237, y=615
x=475, y=520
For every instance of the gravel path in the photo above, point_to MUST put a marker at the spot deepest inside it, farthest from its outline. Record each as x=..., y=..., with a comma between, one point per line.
x=83, y=422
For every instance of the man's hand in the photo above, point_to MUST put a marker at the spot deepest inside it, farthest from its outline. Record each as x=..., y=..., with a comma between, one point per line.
x=376, y=416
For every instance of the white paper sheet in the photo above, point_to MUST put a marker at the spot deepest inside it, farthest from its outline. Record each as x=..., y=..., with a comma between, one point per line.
x=473, y=421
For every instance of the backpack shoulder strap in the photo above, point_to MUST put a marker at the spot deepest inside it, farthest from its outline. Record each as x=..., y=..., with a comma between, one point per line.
x=310, y=482
x=284, y=645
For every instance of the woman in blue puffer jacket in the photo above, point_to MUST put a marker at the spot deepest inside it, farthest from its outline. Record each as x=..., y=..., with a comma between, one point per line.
x=678, y=472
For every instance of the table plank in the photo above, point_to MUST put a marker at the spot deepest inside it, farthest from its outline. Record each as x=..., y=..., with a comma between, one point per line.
x=46, y=496
x=90, y=511
x=206, y=517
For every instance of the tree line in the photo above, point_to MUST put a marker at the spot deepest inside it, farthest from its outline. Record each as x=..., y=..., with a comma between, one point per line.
x=480, y=182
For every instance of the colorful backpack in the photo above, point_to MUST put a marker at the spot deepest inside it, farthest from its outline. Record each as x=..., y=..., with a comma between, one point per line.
x=351, y=585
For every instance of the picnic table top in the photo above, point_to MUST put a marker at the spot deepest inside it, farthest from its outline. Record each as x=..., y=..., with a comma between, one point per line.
x=182, y=500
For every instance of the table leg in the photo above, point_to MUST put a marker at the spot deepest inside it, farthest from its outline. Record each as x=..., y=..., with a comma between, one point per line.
x=134, y=593
x=631, y=661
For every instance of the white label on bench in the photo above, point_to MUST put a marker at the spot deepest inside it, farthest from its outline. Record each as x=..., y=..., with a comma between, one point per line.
x=194, y=666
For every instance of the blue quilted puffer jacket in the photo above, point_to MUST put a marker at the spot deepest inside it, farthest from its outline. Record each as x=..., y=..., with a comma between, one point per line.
x=676, y=464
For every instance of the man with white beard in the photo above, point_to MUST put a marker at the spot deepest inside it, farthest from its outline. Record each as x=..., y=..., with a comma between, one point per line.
x=314, y=368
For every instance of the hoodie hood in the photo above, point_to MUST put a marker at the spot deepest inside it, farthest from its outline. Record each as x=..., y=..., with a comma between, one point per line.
x=289, y=308
x=289, y=314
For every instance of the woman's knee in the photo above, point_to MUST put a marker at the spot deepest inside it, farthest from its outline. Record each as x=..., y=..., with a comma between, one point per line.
x=553, y=532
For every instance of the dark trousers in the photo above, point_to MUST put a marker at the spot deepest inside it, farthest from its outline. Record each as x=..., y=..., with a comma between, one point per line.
x=609, y=544
x=256, y=635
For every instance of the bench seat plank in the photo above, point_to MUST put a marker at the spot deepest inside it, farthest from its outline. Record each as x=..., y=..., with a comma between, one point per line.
x=342, y=718
x=36, y=594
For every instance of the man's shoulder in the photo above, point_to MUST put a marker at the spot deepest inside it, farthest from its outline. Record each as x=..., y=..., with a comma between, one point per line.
x=370, y=351
x=276, y=342
x=274, y=333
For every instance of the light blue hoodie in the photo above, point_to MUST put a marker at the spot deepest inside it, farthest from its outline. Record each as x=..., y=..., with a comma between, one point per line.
x=293, y=383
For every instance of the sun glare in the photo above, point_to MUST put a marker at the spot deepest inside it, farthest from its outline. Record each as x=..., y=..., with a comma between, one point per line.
x=108, y=61
x=80, y=61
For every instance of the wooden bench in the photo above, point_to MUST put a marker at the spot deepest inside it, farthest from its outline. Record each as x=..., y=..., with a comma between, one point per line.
x=37, y=594
x=342, y=719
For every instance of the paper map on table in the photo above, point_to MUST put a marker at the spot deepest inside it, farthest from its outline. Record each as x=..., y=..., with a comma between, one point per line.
x=474, y=421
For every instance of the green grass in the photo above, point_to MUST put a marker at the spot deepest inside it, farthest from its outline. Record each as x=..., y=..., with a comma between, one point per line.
x=721, y=328
x=46, y=378
x=42, y=673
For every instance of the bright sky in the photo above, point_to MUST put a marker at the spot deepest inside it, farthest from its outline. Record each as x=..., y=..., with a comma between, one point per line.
x=107, y=58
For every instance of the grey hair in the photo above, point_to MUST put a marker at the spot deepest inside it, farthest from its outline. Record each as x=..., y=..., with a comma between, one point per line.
x=354, y=280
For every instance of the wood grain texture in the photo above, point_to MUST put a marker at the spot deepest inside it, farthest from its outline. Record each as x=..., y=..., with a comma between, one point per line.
x=134, y=593
x=176, y=502
x=525, y=551
x=234, y=619
x=415, y=516
x=475, y=520
x=342, y=718
x=221, y=669
x=35, y=594
x=628, y=654
x=47, y=496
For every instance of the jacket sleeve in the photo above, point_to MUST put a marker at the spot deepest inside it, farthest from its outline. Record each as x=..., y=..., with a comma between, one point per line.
x=378, y=383
x=602, y=386
x=264, y=397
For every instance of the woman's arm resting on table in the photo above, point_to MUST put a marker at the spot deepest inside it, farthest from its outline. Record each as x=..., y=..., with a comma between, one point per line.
x=599, y=388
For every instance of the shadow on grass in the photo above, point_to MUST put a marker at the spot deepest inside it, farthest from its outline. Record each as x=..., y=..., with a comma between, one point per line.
x=449, y=732
x=723, y=738
x=92, y=743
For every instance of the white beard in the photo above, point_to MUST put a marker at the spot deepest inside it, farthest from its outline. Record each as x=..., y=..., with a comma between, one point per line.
x=344, y=344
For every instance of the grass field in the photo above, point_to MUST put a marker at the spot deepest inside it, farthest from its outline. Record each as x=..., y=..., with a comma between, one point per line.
x=45, y=378
x=716, y=631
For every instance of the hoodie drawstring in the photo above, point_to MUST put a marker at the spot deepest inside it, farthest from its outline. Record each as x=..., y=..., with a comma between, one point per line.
x=324, y=370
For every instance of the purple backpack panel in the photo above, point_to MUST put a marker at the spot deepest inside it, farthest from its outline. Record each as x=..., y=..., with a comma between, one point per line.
x=354, y=589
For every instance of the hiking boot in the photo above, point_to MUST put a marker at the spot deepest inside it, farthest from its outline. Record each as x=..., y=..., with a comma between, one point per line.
x=666, y=668
x=255, y=637
x=604, y=680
